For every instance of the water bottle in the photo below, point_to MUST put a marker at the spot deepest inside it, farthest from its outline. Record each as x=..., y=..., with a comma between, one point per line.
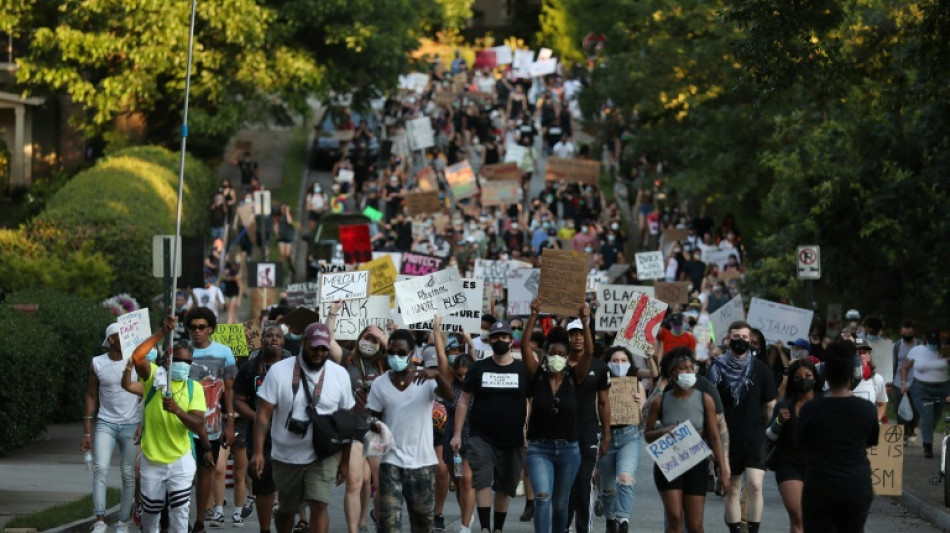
x=88, y=458
x=457, y=461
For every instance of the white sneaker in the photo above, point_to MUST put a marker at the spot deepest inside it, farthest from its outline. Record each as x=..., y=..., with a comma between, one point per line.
x=99, y=527
x=463, y=529
x=520, y=490
x=121, y=527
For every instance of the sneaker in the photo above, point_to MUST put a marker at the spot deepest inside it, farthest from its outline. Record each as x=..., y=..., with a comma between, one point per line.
x=439, y=523
x=99, y=527
x=217, y=520
x=520, y=490
x=137, y=515
x=237, y=520
x=248, y=508
x=121, y=527
x=209, y=514
x=465, y=529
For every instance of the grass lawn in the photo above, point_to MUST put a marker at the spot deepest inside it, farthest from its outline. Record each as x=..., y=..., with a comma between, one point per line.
x=64, y=513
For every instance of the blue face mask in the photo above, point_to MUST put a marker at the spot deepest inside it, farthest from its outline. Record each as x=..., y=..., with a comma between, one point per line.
x=452, y=359
x=180, y=370
x=294, y=336
x=398, y=363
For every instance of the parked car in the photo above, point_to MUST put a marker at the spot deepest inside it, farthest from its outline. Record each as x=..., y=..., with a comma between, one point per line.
x=338, y=135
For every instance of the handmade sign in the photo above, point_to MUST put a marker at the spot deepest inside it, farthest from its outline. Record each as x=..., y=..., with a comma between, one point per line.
x=382, y=277
x=345, y=175
x=414, y=264
x=298, y=319
x=419, y=133
x=302, y=295
x=492, y=272
x=501, y=172
x=332, y=266
x=563, y=281
x=522, y=59
x=673, y=293
x=712, y=256
x=613, y=301
x=420, y=230
x=675, y=235
x=461, y=180
x=543, y=67
x=423, y=203
x=426, y=180
x=522, y=290
x=344, y=286
x=729, y=275
x=572, y=170
x=261, y=275
x=515, y=153
x=678, y=451
x=624, y=408
x=134, y=329
x=502, y=54
x=887, y=461
x=468, y=320
x=725, y=315
x=232, y=336
x=650, y=265
x=355, y=315
x=778, y=322
x=252, y=334
x=485, y=59
x=395, y=256
x=357, y=247
x=501, y=192
x=440, y=292
x=401, y=143
x=446, y=98
x=596, y=279
x=372, y=213
x=640, y=324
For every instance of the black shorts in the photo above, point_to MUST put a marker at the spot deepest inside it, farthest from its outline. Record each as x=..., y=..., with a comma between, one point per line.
x=739, y=460
x=438, y=438
x=785, y=471
x=498, y=468
x=215, y=450
x=692, y=482
x=241, y=435
x=265, y=484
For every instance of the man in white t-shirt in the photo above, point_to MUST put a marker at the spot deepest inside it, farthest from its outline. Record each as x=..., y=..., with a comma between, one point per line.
x=564, y=148
x=300, y=475
x=209, y=296
x=404, y=403
x=871, y=387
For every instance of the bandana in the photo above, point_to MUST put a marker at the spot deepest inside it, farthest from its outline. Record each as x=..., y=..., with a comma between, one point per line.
x=736, y=373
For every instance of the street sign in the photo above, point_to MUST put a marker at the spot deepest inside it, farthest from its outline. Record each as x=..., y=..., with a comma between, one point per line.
x=158, y=254
x=809, y=261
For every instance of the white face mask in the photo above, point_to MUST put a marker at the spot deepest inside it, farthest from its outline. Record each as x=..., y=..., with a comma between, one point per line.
x=615, y=226
x=556, y=363
x=484, y=334
x=686, y=380
x=368, y=347
x=619, y=369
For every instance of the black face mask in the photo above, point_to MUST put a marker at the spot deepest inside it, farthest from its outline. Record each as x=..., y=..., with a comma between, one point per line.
x=739, y=346
x=805, y=385
x=907, y=338
x=500, y=347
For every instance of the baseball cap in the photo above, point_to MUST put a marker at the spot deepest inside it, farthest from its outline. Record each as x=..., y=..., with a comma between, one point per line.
x=110, y=331
x=694, y=303
x=862, y=344
x=800, y=343
x=575, y=324
x=499, y=327
x=677, y=319
x=452, y=343
x=317, y=335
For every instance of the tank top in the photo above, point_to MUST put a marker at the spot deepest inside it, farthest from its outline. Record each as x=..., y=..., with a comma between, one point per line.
x=676, y=410
x=116, y=405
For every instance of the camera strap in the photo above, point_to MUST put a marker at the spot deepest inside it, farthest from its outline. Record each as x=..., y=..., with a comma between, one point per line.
x=311, y=400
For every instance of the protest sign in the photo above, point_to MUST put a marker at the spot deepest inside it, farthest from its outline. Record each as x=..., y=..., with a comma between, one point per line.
x=426, y=180
x=345, y=175
x=332, y=266
x=372, y=213
x=640, y=323
x=515, y=153
x=252, y=334
x=624, y=408
x=543, y=67
x=492, y=272
x=423, y=203
x=395, y=256
x=678, y=451
x=501, y=172
x=440, y=292
x=502, y=54
x=469, y=320
x=673, y=293
x=382, y=276
x=298, y=319
x=712, y=256
x=445, y=98
x=522, y=289
x=355, y=315
x=302, y=295
x=344, y=286
x=778, y=322
x=613, y=301
x=485, y=59
x=420, y=230
x=414, y=264
x=344, y=136
x=650, y=265
x=725, y=315
x=563, y=281
x=401, y=143
x=675, y=235
x=887, y=461
x=729, y=275
x=356, y=244
x=419, y=133
x=522, y=59
x=461, y=180
x=572, y=170
x=596, y=279
x=501, y=192
x=260, y=275
x=134, y=329
x=232, y=336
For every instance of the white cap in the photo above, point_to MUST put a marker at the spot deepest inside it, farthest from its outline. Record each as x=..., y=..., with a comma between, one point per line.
x=110, y=331
x=575, y=324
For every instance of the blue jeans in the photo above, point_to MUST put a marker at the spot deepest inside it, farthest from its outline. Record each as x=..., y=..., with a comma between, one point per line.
x=617, y=470
x=552, y=465
x=920, y=392
x=108, y=435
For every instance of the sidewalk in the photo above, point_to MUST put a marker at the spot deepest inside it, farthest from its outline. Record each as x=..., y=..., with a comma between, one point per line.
x=920, y=497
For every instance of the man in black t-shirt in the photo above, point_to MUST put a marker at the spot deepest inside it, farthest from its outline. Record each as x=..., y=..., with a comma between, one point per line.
x=498, y=385
x=748, y=392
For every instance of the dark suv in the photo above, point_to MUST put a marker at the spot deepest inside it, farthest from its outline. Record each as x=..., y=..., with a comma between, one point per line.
x=332, y=140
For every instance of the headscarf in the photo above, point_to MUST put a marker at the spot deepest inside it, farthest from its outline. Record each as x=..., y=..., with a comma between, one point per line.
x=735, y=372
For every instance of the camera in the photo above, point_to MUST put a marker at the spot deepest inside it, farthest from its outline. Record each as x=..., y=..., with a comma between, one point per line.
x=299, y=427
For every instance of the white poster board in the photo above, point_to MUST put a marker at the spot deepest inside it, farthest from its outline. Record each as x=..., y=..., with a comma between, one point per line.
x=344, y=286
x=421, y=297
x=515, y=153
x=650, y=265
x=612, y=301
x=345, y=175
x=522, y=59
x=720, y=257
x=779, y=322
x=725, y=315
x=356, y=315
x=134, y=329
x=420, y=134
x=678, y=451
x=640, y=324
x=502, y=55
x=469, y=320
x=543, y=67
x=522, y=289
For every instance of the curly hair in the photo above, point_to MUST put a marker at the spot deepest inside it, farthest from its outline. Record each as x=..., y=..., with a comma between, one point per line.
x=201, y=312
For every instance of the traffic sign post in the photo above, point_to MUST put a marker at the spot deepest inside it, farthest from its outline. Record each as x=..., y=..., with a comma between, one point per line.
x=809, y=261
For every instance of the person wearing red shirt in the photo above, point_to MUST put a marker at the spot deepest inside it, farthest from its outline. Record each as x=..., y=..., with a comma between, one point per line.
x=675, y=337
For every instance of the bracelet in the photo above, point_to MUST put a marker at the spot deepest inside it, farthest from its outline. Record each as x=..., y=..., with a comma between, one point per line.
x=331, y=314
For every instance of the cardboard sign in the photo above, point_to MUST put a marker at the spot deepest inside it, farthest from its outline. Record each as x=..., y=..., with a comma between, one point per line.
x=887, y=462
x=719, y=257
x=725, y=315
x=501, y=172
x=469, y=320
x=382, y=276
x=778, y=322
x=613, y=301
x=265, y=275
x=563, y=281
x=232, y=336
x=624, y=408
x=134, y=329
x=344, y=286
x=298, y=319
x=501, y=193
x=356, y=315
x=461, y=180
x=252, y=334
x=414, y=264
x=675, y=235
x=302, y=295
x=650, y=265
x=729, y=275
x=440, y=292
x=640, y=324
x=572, y=170
x=522, y=290
x=446, y=98
x=673, y=293
x=357, y=247
x=679, y=451
x=423, y=203
x=502, y=54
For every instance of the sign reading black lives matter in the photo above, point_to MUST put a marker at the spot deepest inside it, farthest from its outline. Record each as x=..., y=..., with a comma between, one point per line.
x=440, y=292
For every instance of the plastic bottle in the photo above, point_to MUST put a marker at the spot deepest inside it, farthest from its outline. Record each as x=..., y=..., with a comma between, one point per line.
x=457, y=461
x=88, y=458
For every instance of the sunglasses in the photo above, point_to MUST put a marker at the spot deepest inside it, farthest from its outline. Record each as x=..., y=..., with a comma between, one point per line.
x=517, y=329
x=198, y=327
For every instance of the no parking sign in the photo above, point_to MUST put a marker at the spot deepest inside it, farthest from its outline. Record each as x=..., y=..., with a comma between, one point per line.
x=808, y=258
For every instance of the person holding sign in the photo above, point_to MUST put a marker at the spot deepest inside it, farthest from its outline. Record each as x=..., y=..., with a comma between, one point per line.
x=619, y=465
x=835, y=431
x=685, y=495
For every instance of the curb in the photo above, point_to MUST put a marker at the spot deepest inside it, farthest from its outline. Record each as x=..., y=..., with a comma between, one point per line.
x=926, y=510
x=85, y=524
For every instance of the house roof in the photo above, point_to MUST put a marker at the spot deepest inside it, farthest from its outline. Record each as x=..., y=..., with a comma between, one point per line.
x=17, y=99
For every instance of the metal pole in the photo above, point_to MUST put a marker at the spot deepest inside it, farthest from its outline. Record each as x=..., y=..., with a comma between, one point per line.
x=181, y=164
x=168, y=297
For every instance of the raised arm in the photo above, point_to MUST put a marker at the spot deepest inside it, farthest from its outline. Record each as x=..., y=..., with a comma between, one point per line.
x=583, y=362
x=336, y=351
x=139, y=359
x=527, y=356
x=444, y=379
